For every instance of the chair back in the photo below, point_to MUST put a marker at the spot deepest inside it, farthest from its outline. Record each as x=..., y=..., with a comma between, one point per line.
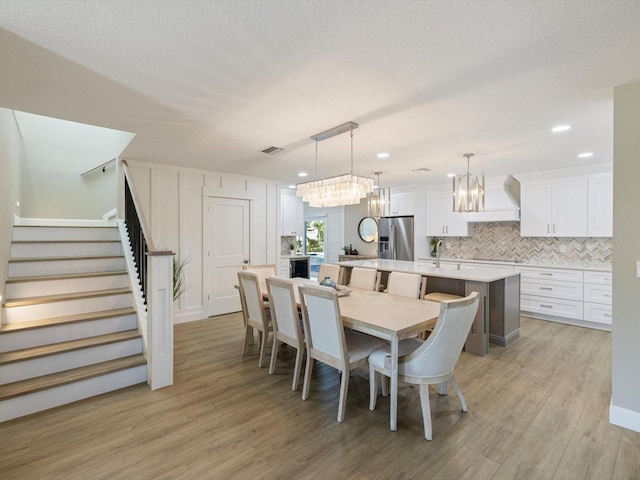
x=251, y=297
x=328, y=270
x=322, y=322
x=284, y=312
x=404, y=284
x=440, y=352
x=364, y=278
x=263, y=271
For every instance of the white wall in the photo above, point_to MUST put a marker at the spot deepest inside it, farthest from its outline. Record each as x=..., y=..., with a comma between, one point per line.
x=352, y=216
x=172, y=199
x=625, y=400
x=11, y=153
x=56, y=153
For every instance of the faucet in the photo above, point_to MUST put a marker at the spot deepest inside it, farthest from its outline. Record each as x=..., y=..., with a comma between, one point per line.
x=438, y=245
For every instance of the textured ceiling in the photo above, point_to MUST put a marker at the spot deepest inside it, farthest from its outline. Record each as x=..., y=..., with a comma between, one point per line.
x=209, y=84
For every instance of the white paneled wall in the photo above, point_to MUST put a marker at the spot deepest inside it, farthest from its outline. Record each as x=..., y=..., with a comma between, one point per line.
x=172, y=199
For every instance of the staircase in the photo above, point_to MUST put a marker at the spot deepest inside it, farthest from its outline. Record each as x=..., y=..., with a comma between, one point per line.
x=69, y=327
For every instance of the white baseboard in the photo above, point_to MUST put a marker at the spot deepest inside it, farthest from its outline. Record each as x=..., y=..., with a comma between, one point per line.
x=63, y=222
x=624, y=417
x=188, y=316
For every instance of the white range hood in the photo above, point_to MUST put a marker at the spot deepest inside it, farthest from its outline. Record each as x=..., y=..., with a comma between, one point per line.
x=502, y=201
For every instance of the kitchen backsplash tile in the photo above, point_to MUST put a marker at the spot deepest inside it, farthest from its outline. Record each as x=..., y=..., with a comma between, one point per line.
x=285, y=241
x=502, y=241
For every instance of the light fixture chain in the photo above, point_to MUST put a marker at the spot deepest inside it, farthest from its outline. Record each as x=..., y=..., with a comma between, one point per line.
x=351, y=151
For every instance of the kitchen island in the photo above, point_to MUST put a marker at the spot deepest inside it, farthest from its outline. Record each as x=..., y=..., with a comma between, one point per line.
x=498, y=317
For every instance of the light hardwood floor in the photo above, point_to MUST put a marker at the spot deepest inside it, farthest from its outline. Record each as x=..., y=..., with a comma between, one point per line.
x=537, y=410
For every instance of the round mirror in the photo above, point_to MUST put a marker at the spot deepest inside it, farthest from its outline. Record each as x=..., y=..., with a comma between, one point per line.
x=368, y=229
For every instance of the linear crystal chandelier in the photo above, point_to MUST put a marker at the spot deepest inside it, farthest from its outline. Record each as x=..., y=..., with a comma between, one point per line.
x=468, y=191
x=379, y=201
x=347, y=189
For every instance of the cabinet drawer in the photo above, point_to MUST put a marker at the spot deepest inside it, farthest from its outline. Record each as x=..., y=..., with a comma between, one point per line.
x=597, y=293
x=603, y=278
x=594, y=312
x=552, y=274
x=551, y=289
x=558, y=308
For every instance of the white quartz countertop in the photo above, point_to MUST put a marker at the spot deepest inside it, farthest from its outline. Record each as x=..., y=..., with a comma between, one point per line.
x=295, y=257
x=473, y=274
x=518, y=264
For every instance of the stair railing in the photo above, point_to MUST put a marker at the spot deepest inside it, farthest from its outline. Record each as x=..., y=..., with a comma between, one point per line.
x=154, y=268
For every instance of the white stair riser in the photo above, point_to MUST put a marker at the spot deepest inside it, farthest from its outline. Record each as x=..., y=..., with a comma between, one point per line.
x=30, y=250
x=64, y=267
x=27, y=313
x=62, y=333
x=65, y=233
x=38, y=288
x=54, y=397
x=14, y=372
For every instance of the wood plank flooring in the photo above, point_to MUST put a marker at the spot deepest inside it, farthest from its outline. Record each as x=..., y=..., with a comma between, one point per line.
x=538, y=409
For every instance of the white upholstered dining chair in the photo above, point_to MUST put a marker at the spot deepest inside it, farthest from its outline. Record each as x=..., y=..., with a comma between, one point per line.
x=364, y=279
x=255, y=314
x=329, y=342
x=431, y=361
x=405, y=284
x=331, y=271
x=263, y=271
x=286, y=323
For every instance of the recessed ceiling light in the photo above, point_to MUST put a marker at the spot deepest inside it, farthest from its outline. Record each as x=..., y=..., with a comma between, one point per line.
x=561, y=128
x=292, y=186
x=451, y=175
x=585, y=155
x=303, y=174
x=383, y=155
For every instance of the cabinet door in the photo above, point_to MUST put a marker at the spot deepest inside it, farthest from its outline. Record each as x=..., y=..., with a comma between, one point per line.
x=292, y=215
x=569, y=208
x=403, y=203
x=600, y=221
x=436, y=214
x=457, y=226
x=535, y=210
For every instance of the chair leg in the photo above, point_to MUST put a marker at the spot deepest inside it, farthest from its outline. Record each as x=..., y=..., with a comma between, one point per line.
x=384, y=380
x=274, y=355
x=344, y=389
x=307, y=378
x=248, y=335
x=263, y=346
x=297, y=368
x=373, y=387
x=463, y=403
x=426, y=410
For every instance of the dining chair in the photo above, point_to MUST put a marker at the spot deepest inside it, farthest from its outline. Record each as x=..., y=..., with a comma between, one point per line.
x=285, y=320
x=405, y=284
x=364, y=279
x=329, y=342
x=255, y=314
x=329, y=270
x=263, y=271
x=431, y=361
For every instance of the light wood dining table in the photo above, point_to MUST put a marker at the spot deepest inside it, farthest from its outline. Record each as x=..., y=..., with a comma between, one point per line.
x=385, y=316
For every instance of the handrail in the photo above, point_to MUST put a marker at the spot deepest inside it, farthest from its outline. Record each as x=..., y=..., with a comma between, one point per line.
x=102, y=167
x=138, y=209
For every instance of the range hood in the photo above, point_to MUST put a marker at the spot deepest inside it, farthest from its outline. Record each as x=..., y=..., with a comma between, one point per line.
x=502, y=201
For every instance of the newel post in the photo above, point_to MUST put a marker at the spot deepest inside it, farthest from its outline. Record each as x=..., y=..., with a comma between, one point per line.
x=160, y=318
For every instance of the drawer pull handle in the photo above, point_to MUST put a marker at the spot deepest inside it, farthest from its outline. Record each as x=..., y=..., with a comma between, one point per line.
x=546, y=288
x=548, y=274
x=607, y=315
x=608, y=279
x=607, y=295
x=546, y=306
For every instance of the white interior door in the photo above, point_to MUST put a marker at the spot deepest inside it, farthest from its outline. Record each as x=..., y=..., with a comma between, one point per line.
x=228, y=251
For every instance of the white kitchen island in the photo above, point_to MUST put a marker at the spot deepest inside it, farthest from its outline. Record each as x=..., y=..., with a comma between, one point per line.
x=498, y=317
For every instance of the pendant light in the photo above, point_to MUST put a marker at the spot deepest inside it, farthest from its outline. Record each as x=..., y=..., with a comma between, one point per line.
x=379, y=201
x=468, y=191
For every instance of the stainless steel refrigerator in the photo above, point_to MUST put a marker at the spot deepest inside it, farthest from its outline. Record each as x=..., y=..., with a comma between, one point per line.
x=395, y=236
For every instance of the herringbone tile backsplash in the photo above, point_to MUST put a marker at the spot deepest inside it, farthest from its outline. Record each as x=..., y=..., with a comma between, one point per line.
x=502, y=241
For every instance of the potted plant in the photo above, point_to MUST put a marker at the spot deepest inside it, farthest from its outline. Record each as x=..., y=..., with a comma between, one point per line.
x=292, y=248
x=347, y=250
x=179, y=284
x=434, y=244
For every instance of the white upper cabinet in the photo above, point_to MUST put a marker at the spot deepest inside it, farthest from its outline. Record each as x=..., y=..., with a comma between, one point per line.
x=600, y=220
x=441, y=220
x=292, y=211
x=402, y=203
x=556, y=208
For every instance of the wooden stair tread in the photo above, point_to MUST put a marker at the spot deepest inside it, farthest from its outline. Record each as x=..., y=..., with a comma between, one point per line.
x=67, y=319
x=65, y=226
x=44, y=382
x=69, y=346
x=20, y=302
x=23, y=242
x=52, y=259
x=66, y=276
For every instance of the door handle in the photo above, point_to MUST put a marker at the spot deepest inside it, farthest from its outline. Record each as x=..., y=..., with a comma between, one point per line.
x=245, y=261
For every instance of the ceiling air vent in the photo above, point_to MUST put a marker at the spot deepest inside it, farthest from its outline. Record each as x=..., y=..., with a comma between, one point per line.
x=421, y=169
x=272, y=150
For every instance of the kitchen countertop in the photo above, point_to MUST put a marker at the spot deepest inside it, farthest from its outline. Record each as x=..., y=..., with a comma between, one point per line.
x=474, y=274
x=523, y=263
x=294, y=256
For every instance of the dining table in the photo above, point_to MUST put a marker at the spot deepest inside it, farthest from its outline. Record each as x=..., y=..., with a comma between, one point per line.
x=385, y=316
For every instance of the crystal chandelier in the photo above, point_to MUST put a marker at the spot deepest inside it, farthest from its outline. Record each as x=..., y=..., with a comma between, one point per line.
x=347, y=189
x=379, y=201
x=468, y=191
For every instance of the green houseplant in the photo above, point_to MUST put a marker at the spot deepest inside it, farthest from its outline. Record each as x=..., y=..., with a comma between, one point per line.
x=179, y=284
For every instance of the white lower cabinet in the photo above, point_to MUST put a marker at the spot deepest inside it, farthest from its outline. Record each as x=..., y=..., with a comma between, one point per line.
x=598, y=295
x=551, y=292
x=284, y=268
